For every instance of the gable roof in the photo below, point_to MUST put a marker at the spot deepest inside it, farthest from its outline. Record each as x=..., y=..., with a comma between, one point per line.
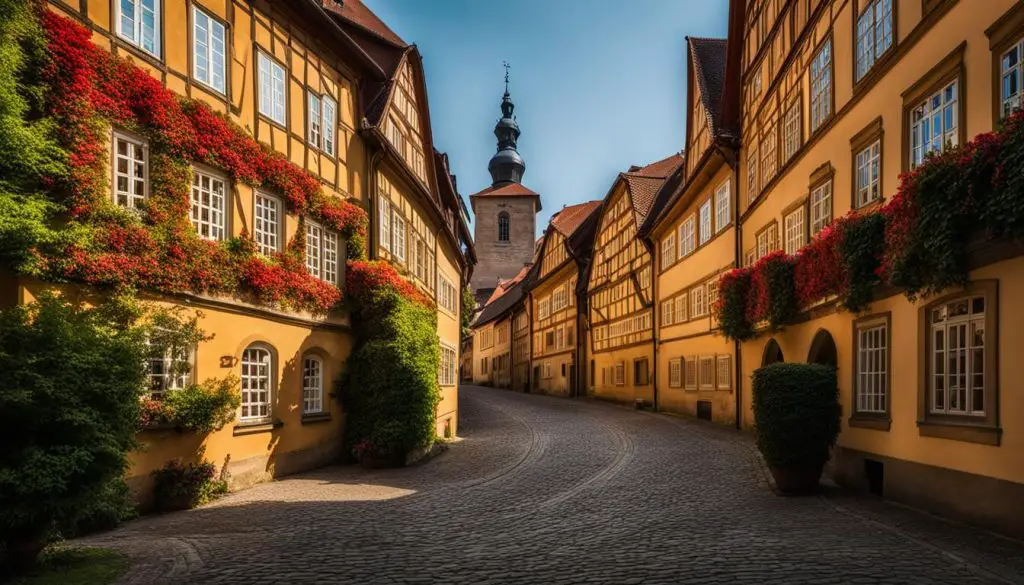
x=709, y=58
x=570, y=218
x=509, y=190
x=644, y=183
x=505, y=298
x=357, y=13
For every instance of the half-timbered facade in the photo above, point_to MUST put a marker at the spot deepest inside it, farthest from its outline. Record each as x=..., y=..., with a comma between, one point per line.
x=621, y=288
x=554, y=303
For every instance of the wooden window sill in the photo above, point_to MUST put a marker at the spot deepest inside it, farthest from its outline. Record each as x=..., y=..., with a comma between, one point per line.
x=968, y=433
x=251, y=428
x=877, y=423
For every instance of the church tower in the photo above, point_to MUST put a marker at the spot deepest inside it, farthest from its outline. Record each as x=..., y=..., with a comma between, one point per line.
x=506, y=212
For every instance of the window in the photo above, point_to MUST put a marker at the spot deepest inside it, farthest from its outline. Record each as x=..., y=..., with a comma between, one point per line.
x=675, y=374
x=934, y=124
x=680, y=310
x=544, y=308
x=641, y=372
x=792, y=131
x=794, y=228
x=957, y=365
x=697, y=306
x=503, y=227
x=868, y=172
x=1011, y=69
x=267, y=227
x=705, y=222
x=208, y=49
x=208, y=205
x=312, y=385
x=384, y=222
x=257, y=366
x=707, y=373
x=330, y=123
x=668, y=251
x=752, y=174
x=668, y=312
x=690, y=374
x=872, y=368
x=722, y=206
x=138, y=22
x=620, y=374
x=821, y=85
x=131, y=171
x=767, y=241
x=549, y=340
x=398, y=233
x=874, y=34
x=559, y=299
x=448, y=295
x=448, y=365
x=321, y=252
x=724, y=372
x=272, y=95
x=821, y=207
x=315, y=119
x=547, y=370
x=169, y=366
x=712, y=293
x=686, y=237
x=768, y=158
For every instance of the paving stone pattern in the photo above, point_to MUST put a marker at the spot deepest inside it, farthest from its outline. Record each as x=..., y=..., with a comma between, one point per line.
x=551, y=491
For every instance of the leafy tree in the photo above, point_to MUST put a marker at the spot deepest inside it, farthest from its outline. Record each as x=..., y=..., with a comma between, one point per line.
x=468, y=310
x=70, y=382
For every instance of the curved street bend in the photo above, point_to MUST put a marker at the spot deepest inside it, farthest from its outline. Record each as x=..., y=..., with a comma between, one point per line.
x=551, y=491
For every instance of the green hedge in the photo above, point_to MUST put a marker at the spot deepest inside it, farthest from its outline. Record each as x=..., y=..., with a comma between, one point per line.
x=390, y=392
x=796, y=414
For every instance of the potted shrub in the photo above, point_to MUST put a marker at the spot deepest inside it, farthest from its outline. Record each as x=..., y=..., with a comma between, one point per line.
x=796, y=417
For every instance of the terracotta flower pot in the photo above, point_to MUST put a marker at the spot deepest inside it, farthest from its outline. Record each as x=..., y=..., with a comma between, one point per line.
x=795, y=481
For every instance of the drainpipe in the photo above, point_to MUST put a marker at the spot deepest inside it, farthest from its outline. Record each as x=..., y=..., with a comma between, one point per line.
x=655, y=326
x=372, y=196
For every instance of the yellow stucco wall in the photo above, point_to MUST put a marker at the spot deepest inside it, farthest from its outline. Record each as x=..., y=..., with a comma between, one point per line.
x=555, y=361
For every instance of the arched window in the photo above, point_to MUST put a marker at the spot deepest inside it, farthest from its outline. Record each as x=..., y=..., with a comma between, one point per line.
x=503, y=227
x=772, y=354
x=312, y=385
x=257, y=373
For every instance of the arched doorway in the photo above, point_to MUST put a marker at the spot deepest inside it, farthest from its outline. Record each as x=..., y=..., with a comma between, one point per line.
x=823, y=350
x=772, y=353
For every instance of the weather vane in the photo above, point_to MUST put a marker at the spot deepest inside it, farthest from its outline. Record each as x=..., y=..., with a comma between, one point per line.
x=507, y=67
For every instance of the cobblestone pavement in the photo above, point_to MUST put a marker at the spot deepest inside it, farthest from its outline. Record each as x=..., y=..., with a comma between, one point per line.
x=552, y=491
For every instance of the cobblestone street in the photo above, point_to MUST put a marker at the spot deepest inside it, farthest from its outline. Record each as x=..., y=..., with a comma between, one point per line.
x=551, y=491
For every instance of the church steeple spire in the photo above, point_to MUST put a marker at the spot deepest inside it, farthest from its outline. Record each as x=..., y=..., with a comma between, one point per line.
x=507, y=166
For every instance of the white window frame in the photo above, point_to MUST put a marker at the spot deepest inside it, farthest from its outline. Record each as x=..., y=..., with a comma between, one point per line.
x=723, y=207
x=330, y=125
x=268, y=223
x=446, y=294
x=873, y=35
x=752, y=173
x=668, y=312
x=769, y=156
x=214, y=225
x=942, y=108
x=257, y=383
x=384, y=222
x=706, y=373
x=314, y=111
x=872, y=366
x=273, y=85
x=868, y=173
x=723, y=373
x=312, y=385
x=132, y=198
x=705, y=222
x=449, y=365
x=698, y=308
x=821, y=85
x=544, y=308
x=205, y=46
x=821, y=207
x=668, y=251
x=792, y=130
x=137, y=35
x=1011, y=73
x=322, y=252
x=794, y=225
x=675, y=373
x=681, y=302
x=967, y=323
x=690, y=373
x=398, y=235
x=687, y=237
x=162, y=381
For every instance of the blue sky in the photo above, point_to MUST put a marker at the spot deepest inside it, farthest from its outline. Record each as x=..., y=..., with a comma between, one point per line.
x=598, y=84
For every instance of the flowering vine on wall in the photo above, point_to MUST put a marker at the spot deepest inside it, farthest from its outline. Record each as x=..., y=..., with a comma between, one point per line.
x=918, y=242
x=87, y=91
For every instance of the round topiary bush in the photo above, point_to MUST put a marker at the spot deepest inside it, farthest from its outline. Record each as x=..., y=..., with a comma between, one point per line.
x=796, y=417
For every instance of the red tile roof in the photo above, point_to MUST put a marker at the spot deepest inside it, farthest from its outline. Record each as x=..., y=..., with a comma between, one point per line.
x=509, y=190
x=643, y=184
x=357, y=13
x=659, y=169
x=570, y=218
x=506, y=285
